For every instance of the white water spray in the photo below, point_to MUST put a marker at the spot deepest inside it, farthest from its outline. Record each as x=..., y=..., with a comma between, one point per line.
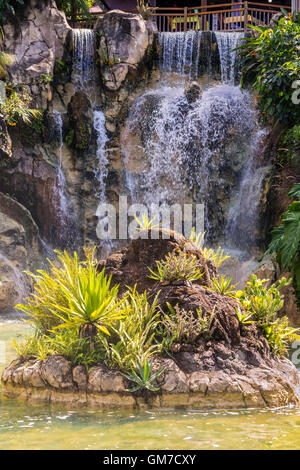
x=84, y=54
x=227, y=43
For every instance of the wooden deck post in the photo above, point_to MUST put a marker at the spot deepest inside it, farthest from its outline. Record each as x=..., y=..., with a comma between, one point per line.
x=245, y=16
x=185, y=19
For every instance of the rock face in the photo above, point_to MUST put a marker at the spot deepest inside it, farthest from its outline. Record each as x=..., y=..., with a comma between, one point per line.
x=232, y=367
x=124, y=40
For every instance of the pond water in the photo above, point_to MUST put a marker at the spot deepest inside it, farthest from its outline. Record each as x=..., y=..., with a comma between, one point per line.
x=45, y=427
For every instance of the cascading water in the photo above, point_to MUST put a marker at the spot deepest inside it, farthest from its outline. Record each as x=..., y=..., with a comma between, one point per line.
x=174, y=150
x=101, y=174
x=227, y=43
x=102, y=139
x=179, y=52
x=83, y=56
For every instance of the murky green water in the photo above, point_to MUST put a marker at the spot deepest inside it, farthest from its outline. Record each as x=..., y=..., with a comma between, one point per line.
x=41, y=427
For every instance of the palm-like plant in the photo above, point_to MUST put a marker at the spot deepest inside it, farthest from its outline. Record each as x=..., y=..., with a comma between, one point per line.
x=286, y=238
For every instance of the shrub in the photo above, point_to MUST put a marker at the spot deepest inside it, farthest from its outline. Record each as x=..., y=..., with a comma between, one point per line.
x=181, y=326
x=271, y=61
x=279, y=335
x=264, y=303
x=223, y=286
x=143, y=377
x=16, y=110
x=133, y=337
x=177, y=266
x=216, y=257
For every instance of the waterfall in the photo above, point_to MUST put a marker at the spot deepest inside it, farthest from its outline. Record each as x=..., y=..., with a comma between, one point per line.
x=243, y=215
x=84, y=50
x=227, y=42
x=174, y=150
x=63, y=206
x=179, y=52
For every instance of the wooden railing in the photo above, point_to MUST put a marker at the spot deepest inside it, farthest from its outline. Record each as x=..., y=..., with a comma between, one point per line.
x=223, y=17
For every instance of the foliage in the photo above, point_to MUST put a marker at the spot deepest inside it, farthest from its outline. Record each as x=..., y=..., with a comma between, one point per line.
x=46, y=77
x=177, y=266
x=290, y=145
x=279, y=335
x=264, y=303
x=180, y=326
x=75, y=7
x=143, y=377
x=133, y=337
x=286, y=239
x=216, y=257
x=145, y=223
x=223, y=286
x=6, y=60
x=244, y=318
x=16, y=107
x=7, y=7
x=271, y=60
x=73, y=295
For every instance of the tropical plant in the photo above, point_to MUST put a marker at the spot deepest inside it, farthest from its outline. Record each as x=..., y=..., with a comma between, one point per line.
x=6, y=60
x=75, y=8
x=289, y=149
x=279, y=335
x=216, y=257
x=15, y=108
x=74, y=295
x=145, y=223
x=271, y=61
x=181, y=326
x=223, y=286
x=177, y=266
x=286, y=239
x=32, y=346
x=133, y=337
x=244, y=317
x=264, y=303
x=143, y=376
x=144, y=9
